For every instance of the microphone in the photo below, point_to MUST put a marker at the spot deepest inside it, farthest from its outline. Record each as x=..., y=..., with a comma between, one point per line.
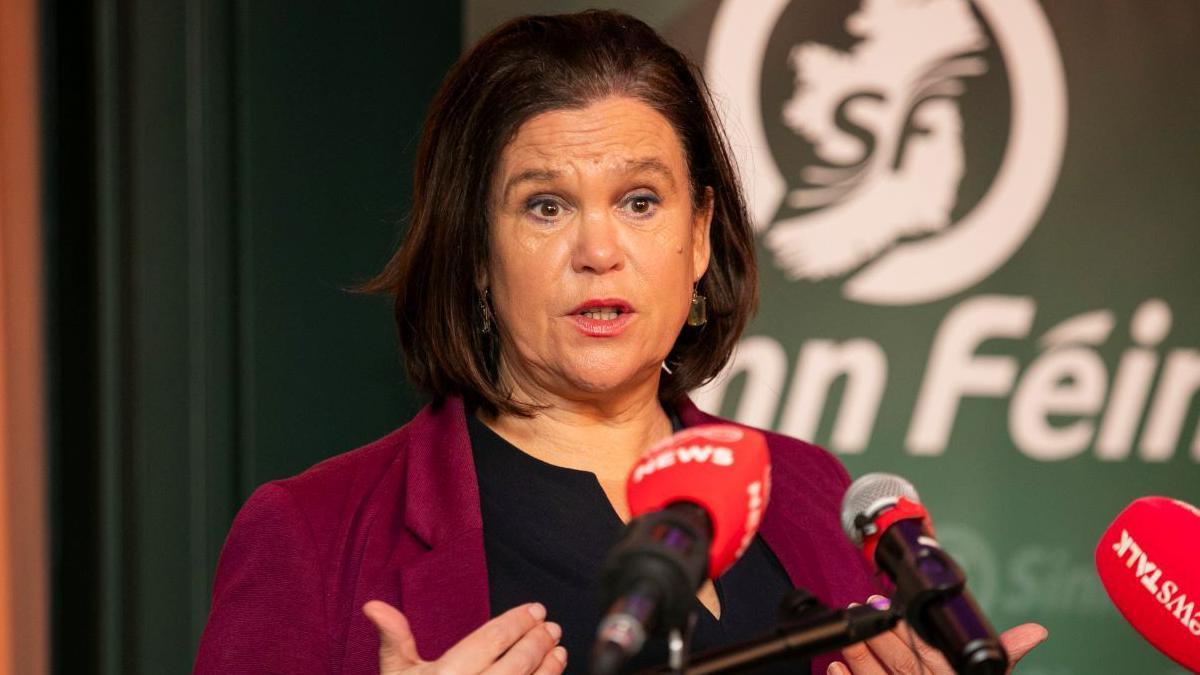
x=696, y=499
x=1147, y=561
x=883, y=514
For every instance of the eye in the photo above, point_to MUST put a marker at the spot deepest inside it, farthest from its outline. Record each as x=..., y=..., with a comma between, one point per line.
x=641, y=205
x=546, y=209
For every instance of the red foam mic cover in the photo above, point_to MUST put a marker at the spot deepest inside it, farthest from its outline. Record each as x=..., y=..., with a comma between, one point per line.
x=1149, y=562
x=724, y=469
x=905, y=509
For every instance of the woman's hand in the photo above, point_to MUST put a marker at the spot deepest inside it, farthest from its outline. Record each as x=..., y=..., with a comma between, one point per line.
x=518, y=642
x=893, y=652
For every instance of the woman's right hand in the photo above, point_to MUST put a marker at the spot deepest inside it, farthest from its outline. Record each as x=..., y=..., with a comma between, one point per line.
x=518, y=642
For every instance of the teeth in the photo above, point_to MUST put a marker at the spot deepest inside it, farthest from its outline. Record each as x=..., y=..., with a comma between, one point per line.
x=602, y=313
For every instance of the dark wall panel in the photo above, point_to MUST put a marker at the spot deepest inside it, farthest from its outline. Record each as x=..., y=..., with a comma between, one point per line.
x=217, y=175
x=329, y=110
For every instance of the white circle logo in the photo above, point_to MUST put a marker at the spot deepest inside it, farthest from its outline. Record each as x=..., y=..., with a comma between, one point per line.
x=878, y=199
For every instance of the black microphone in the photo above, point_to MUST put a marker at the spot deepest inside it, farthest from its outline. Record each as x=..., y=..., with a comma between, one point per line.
x=883, y=514
x=697, y=498
x=649, y=580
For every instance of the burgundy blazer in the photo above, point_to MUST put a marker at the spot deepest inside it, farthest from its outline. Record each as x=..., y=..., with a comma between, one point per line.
x=398, y=520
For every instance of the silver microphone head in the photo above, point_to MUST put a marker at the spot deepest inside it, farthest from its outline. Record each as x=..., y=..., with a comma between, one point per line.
x=870, y=493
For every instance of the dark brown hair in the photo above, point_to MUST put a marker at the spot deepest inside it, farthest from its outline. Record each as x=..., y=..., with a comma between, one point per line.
x=528, y=66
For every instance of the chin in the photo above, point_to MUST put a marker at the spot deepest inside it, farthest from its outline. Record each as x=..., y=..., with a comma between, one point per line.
x=600, y=379
x=599, y=385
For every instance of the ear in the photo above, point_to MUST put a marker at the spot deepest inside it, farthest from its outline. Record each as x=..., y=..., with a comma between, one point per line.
x=701, y=229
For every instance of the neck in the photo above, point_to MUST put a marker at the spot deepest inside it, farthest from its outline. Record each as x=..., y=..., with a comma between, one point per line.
x=601, y=434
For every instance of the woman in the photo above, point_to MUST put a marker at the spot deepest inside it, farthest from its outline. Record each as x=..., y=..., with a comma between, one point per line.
x=578, y=258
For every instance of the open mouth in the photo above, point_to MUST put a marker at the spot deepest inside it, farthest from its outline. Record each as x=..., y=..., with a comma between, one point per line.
x=603, y=317
x=603, y=313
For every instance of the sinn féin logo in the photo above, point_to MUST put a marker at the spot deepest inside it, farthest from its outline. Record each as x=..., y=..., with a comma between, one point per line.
x=863, y=154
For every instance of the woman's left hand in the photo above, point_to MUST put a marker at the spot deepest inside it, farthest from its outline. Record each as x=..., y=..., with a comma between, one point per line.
x=893, y=652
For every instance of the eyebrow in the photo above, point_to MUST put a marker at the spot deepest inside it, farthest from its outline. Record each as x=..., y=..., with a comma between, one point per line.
x=529, y=175
x=545, y=175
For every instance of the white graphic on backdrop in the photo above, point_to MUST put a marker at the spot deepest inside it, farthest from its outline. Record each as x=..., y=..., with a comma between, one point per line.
x=1066, y=377
x=903, y=76
x=907, y=68
x=873, y=207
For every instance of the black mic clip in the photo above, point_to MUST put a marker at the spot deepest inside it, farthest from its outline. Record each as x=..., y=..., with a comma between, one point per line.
x=807, y=629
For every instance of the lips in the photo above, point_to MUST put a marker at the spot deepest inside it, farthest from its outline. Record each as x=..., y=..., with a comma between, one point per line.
x=603, y=304
x=602, y=317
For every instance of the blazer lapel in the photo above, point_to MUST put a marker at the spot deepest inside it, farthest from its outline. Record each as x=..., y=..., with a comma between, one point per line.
x=443, y=590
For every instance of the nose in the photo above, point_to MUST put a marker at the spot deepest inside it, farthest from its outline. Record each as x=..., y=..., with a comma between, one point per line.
x=598, y=247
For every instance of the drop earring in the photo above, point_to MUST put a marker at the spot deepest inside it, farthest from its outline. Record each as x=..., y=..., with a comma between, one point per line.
x=698, y=312
x=485, y=312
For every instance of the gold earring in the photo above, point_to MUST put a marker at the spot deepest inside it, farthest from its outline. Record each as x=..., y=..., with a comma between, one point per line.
x=486, y=312
x=698, y=312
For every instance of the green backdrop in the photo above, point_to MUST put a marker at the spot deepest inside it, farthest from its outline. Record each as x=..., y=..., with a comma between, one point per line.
x=977, y=231
x=217, y=173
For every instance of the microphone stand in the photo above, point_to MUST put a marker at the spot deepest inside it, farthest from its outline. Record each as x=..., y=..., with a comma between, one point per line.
x=808, y=628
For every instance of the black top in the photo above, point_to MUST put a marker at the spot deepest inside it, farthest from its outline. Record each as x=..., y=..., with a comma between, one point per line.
x=546, y=533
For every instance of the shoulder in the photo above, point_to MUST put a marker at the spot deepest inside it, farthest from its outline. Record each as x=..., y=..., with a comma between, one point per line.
x=807, y=481
x=335, y=505
x=816, y=468
x=808, y=474
x=816, y=461
x=347, y=486
x=341, y=479
x=275, y=563
x=802, y=524
x=300, y=546
x=305, y=513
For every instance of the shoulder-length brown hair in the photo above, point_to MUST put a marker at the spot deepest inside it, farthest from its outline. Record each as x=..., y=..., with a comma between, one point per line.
x=525, y=67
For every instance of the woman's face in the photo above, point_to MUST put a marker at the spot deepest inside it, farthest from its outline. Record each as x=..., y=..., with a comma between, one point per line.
x=595, y=246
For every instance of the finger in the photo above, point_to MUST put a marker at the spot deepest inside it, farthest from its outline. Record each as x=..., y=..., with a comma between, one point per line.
x=930, y=658
x=554, y=663
x=900, y=651
x=860, y=661
x=397, y=647
x=837, y=668
x=859, y=657
x=481, y=648
x=529, y=652
x=1019, y=640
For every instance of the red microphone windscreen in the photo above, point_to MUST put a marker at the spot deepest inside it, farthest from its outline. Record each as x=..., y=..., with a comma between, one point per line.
x=724, y=469
x=1149, y=562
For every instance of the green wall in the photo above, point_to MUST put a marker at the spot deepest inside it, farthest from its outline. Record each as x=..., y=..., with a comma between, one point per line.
x=217, y=175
